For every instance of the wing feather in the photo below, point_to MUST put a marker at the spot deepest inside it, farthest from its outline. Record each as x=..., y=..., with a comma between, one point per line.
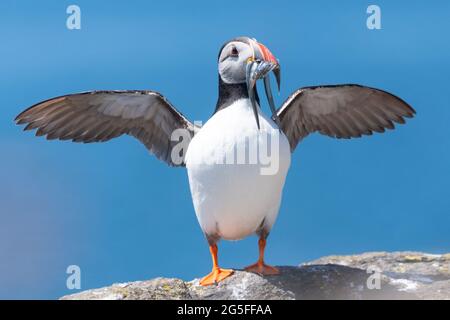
x=340, y=111
x=98, y=116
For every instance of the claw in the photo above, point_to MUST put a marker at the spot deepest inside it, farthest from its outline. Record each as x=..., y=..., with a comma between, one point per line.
x=262, y=269
x=216, y=276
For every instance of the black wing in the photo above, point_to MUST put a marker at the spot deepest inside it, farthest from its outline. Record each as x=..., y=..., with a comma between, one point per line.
x=340, y=111
x=99, y=116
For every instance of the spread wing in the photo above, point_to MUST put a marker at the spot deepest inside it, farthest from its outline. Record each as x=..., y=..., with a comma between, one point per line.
x=340, y=111
x=99, y=116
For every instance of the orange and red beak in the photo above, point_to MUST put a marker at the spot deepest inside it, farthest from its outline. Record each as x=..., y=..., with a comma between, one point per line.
x=266, y=54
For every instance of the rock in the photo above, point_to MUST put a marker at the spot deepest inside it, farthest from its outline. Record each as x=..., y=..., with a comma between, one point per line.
x=376, y=275
x=422, y=275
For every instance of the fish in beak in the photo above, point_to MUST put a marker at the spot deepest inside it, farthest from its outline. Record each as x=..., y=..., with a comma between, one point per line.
x=259, y=67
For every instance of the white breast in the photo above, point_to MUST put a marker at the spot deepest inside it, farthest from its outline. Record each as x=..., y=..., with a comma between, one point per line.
x=235, y=190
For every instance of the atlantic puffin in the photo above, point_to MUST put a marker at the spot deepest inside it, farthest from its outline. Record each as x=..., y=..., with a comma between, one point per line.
x=235, y=193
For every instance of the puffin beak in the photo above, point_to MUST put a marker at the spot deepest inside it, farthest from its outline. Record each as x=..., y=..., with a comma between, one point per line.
x=258, y=67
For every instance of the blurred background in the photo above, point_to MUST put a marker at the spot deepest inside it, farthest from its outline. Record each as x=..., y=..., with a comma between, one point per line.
x=121, y=215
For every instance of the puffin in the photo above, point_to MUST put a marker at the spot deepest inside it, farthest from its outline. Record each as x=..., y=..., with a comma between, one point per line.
x=238, y=160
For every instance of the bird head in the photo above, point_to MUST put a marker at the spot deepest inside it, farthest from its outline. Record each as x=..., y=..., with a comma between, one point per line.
x=245, y=60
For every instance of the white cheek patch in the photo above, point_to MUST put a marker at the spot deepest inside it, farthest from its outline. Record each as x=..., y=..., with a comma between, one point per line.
x=232, y=71
x=227, y=79
x=224, y=71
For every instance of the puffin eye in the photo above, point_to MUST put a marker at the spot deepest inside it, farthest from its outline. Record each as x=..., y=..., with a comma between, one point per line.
x=234, y=52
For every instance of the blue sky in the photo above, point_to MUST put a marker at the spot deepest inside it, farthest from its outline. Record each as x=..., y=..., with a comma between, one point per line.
x=122, y=215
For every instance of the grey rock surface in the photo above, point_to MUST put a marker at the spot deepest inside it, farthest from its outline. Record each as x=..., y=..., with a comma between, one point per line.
x=375, y=275
x=421, y=275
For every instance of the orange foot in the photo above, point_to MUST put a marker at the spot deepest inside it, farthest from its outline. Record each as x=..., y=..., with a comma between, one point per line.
x=262, y=269
x=217, y=275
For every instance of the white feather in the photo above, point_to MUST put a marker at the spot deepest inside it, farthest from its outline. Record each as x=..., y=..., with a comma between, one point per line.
x=232, y=200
